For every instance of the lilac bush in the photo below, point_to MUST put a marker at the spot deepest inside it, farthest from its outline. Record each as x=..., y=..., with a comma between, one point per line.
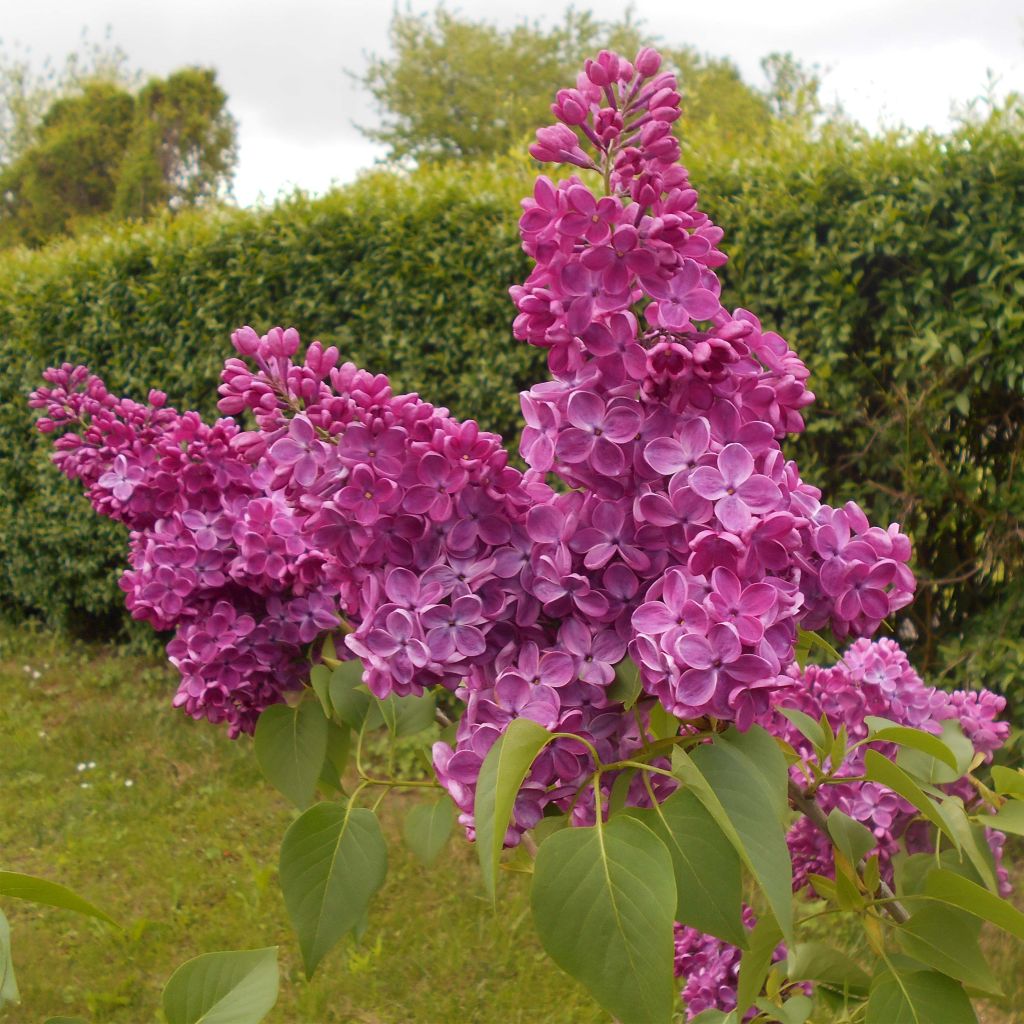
x=658, y=558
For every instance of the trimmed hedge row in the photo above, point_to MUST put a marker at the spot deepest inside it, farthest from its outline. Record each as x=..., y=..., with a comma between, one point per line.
x=895, y=267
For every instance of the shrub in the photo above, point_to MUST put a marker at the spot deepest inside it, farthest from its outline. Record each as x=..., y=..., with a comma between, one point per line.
x=894, y=264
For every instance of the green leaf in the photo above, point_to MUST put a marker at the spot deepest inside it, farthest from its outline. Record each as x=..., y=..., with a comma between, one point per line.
x=339, y=744
x=756, y=962
x=662, y=724
x=8, y=984
x=814, y=961
x=1009, y=819
x=852, y=839
x=884, y=731
x=349, y=700
x=320, y=680
x=744, y=800
x=967, y=895
x=626, y=688
x=808, y=640
x=388, y=708
x=1008, y=781
x=506, y=766
x=972, y=840
x=947, y=939
x=52, y=894
x=238, y=987
x=428, y=827
x=810, y=729
x=795, y=1010
x=291, y=744
x=414, y=714
x=917, y=997
x=932, y=770
x=880, y=769
x=332, y=862
x=709, y=886
x=603, y=902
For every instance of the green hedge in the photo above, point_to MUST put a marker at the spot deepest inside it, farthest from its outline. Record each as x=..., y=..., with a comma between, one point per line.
x=895, y=267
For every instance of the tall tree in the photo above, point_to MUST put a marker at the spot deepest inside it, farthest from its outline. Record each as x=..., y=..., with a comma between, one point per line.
x=29, y=88
x=104, y=151
x=182, y=150
x=69, y=172
x=454, y=88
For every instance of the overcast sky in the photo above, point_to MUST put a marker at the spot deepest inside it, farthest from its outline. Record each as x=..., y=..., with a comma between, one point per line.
x=283, y=65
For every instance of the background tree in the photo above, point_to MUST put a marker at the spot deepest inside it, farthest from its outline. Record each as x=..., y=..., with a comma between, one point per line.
x=182, y=149
x=69, y=172
x=454, y=88
x=28, y=88
x=83, y=142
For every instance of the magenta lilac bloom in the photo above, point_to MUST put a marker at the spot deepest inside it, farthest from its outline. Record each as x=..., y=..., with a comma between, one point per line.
x=679, y=533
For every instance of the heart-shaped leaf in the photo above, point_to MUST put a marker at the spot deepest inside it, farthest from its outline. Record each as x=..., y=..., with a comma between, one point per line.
x=603, y=902
x=332, y=862
x=236, y=987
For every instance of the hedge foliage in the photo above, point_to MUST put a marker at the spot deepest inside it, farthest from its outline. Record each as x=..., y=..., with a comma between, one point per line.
x=894, y=266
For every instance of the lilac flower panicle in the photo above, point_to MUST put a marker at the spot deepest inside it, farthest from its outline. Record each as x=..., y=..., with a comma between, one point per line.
x=678, y=534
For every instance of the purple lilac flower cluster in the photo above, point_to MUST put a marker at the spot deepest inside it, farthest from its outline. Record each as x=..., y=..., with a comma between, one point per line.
x=711, y=968
x=680, y=536
x=206, y=543
x=686, y=540
x=876, y=679
x=872, y=679
x=688, y=534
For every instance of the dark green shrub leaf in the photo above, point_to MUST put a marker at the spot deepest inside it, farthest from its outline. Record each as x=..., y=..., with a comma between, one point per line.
x=814, y=961
x=348, y=698
x=967, y=895
x=52, y=894
x=947, y=940
x=626, y=688
x=883, y=730
x=1008, y=781
x=852, y=839
x=320, y=680
x=807, y=726
x=1009, y=819
x=917, y=997
x=8, y=984
x=756, y=962
x=745, y=801
x=709, y=887
x=880, y=769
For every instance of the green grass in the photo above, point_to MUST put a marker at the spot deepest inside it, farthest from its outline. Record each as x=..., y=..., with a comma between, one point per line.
x=184, y=858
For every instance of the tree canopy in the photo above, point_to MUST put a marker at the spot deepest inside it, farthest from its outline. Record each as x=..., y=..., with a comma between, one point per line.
x=84, y=143
x=455, y=88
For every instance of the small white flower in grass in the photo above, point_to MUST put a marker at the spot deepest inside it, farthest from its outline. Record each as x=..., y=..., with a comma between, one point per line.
x=81, y=766
x=85, y=785
x=92, y=764
x=129, y=783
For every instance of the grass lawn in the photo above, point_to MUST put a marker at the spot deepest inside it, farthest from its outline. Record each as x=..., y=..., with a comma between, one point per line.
x=168, y=826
